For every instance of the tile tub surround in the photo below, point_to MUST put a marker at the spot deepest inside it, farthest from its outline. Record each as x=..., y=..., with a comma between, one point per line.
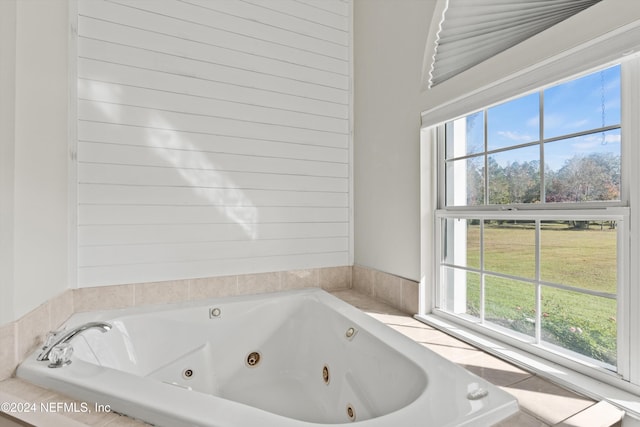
x=542, y=403
x=140, y=294
x=8, y=357
x=396, y=291
x=23, y=336
x=20, y=338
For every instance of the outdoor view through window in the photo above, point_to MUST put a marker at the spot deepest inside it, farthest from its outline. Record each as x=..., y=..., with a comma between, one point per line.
x=546, y=276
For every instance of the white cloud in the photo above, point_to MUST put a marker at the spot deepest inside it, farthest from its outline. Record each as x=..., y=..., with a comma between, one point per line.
x=590, y=143
x=516, y=136
x=553, y=121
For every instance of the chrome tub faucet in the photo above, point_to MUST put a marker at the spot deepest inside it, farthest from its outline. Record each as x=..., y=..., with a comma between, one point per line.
x=60, y=340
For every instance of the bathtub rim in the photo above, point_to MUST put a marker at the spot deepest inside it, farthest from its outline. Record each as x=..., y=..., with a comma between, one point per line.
x=156, y=413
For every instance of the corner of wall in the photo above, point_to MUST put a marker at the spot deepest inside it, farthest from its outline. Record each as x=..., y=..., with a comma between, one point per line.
x=396, y=291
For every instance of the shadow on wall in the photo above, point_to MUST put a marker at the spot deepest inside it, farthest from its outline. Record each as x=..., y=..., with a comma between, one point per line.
x=194, y=167
x=202, y=176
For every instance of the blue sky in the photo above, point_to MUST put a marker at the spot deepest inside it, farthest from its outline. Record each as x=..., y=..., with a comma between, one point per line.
x=570, y=107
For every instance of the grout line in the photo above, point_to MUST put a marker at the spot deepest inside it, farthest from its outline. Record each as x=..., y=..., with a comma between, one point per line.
x=522, y=379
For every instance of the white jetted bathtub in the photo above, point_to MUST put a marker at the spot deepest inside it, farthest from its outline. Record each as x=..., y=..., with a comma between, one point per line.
x=297, y=358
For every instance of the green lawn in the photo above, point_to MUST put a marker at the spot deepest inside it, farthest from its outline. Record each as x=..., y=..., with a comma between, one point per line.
x=582, y=258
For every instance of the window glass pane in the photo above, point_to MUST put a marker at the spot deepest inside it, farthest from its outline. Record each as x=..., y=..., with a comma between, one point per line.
x=582, y=254
x=510, y=247
x=462, y=242
x=582, y=323
x=465, y=136
x=583, y=104
x=584, y=168
x=559, y=279
x=511, y=304
x=514, y=176
x=513, y=123
x=465, y=182
x=473, y=243
x=461, y=292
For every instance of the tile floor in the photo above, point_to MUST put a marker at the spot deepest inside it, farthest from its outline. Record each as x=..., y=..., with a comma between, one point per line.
x=541, y=402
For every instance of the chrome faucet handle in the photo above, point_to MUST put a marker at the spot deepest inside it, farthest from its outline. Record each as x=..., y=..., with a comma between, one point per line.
x=50, y=338
x=60, y=355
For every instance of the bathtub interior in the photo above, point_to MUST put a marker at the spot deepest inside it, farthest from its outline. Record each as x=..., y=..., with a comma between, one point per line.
x=315, y=364
x=321, y=361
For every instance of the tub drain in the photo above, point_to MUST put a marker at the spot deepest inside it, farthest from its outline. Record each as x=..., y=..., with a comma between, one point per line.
x=351, y=413
x=253, y=359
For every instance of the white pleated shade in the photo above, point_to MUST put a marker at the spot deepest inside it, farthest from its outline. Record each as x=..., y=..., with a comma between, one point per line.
x=472, y=31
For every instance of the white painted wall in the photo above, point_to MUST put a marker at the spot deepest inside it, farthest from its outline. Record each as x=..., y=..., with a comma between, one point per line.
x=213, y=138
x=286, y=117
x=7, y=138
x=33, y=115
x=389, y=47
x=389, y=40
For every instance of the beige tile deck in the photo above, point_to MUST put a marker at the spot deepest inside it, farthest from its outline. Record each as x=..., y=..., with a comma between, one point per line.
x=602, y=414
x=542, y=403
x=550, y=403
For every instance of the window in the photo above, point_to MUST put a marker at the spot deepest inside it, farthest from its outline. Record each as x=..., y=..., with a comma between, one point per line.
x=561, y=144
x=533, y=220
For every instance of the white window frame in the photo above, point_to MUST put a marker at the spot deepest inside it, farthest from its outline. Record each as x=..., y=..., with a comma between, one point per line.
x=593, y=380
x=535, y=344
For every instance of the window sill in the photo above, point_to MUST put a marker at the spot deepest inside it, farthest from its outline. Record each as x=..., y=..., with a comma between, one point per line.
x=563, y=376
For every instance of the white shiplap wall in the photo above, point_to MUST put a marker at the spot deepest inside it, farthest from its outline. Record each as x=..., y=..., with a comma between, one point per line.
x=213, y=137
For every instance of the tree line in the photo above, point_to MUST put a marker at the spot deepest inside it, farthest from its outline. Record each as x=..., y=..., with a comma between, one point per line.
x=595, y=177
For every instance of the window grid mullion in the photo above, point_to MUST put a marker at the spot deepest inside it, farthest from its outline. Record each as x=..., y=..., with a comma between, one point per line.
x=486, y=156
x=532, y=281
x=543, y=195
x=536, y=142
x=482, y=274
x=543, y=199
x=538, y=324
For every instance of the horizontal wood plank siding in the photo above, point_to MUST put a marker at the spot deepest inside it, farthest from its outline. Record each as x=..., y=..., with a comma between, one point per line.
x=213, y=138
